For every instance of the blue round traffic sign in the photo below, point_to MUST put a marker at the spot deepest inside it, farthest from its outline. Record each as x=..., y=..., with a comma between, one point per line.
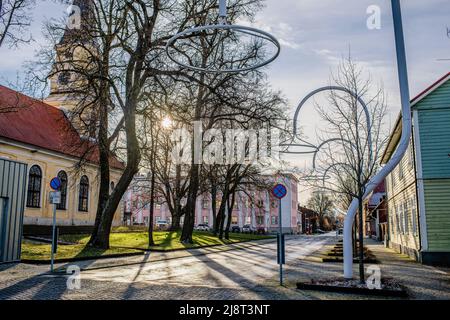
x=55, y=183
x=279, y=191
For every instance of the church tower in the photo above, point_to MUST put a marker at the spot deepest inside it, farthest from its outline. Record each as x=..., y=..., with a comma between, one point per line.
x=69, y=87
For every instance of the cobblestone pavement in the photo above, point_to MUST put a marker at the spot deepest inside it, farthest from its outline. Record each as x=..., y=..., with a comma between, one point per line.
x=244, y=271
x=248, y=272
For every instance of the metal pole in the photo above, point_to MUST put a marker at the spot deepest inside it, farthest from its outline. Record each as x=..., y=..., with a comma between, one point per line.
x=53, y=238
x=280, y=231
x=402, y=145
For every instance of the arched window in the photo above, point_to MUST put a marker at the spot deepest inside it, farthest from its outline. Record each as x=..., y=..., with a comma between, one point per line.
x=84, y=194
x=62, y=175
x=112, y=187
x=34, y=187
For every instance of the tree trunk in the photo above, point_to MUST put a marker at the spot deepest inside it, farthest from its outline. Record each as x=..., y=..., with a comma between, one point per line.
x=151, y=242
x=214, y=207
x=103, y=148
x=230, y=205
x=176, y=222
x=361, y=242
x=133, y=158
x=189, y=219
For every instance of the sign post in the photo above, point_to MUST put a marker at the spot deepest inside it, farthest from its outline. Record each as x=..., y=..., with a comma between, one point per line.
x=55, y=198
x=279, y=191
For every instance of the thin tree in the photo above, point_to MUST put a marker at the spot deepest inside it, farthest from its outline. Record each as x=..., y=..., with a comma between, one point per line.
x=352, y=148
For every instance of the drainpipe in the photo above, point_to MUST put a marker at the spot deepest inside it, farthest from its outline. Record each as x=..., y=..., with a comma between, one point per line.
x=402, y=146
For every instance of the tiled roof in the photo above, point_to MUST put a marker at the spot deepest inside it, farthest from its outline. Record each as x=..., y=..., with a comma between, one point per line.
x=35, y=123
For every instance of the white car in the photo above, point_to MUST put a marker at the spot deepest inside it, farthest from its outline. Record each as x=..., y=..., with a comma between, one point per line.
x=247, y=229
x=202, y=227
x=162, y=224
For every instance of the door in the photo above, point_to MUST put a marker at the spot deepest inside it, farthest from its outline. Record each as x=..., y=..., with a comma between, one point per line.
x=3, y=227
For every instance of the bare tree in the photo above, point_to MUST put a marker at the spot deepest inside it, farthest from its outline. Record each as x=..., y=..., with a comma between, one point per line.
x=14, y=20
x=351, y=145
x=322, y=204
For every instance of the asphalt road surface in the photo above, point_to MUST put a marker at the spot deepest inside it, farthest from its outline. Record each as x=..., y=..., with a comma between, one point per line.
x=247, y=272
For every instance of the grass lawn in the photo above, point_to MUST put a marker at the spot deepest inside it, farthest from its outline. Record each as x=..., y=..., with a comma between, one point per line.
x=127, y=242
x=38, y=251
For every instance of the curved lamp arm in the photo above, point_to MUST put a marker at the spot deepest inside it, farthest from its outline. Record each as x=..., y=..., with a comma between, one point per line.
x=402, y=146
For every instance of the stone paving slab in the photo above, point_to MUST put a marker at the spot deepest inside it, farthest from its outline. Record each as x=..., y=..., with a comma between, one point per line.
x=21, y=281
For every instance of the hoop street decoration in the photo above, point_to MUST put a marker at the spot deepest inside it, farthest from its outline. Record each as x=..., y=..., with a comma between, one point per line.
x=222, y=26
x=311, y=148
x=279, y=191
x=55, y=184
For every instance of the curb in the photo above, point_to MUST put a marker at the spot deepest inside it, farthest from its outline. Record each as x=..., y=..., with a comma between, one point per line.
x=351, y=290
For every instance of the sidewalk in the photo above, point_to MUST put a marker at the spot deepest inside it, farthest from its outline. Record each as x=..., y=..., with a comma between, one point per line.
x=422, y=282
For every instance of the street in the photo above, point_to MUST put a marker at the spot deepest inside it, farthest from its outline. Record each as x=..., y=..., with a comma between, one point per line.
x=249, y=271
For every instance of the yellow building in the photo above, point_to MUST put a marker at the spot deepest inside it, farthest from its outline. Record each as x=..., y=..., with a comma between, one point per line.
x=52, y=142
x=41, y=136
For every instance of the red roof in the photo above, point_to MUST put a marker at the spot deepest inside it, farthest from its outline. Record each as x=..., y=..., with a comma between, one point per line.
x=33, y=122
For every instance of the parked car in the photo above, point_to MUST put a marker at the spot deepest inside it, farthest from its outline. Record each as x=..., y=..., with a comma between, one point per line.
x=235, y=229
x=319, y=231
x=162, y=225
x=247, y=229
x=202, y=227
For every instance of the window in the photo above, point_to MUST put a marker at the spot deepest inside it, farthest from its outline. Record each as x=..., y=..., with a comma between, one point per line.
x=410, y=155
x=64, y=78
x=234, y=219
x=260, y=220
x=83, y=196
x=414, y=216
x=400, y=170
x=405, y=217
x=34, y=187
x=274, y=220
x=112, y=186
x=62, y=176
x=393, y=178
x=401, y=219
x=205, y=204
x=205, y=220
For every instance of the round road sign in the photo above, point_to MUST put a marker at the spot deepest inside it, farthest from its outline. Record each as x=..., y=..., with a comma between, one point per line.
x=55, y=184
x=279, y=191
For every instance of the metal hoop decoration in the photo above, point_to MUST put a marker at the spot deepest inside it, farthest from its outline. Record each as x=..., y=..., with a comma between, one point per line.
x=316, y=149
x=224, y=26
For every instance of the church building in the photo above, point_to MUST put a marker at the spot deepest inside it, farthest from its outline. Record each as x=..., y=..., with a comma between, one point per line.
x=55, y=137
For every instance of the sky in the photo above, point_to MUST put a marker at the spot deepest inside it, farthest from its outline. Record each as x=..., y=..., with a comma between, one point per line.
x=315, y=36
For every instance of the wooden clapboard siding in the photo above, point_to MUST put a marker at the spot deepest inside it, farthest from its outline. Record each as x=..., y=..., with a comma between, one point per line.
x=435, y=142
x=434, y=129
x=401, y=190
x=437, y=207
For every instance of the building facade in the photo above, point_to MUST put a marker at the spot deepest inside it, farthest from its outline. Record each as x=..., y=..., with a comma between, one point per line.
x=41, y=136
x=418, y=189
x=375, y=213
x=56, y=138
x=259, y=210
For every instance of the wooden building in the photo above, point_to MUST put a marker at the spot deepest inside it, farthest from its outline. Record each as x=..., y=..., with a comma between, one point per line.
x=418, y=189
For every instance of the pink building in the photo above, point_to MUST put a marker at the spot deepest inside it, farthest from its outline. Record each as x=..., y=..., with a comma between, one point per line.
x=258, y=208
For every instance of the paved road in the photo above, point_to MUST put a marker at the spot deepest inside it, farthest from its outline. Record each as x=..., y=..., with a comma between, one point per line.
x=249, y=272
